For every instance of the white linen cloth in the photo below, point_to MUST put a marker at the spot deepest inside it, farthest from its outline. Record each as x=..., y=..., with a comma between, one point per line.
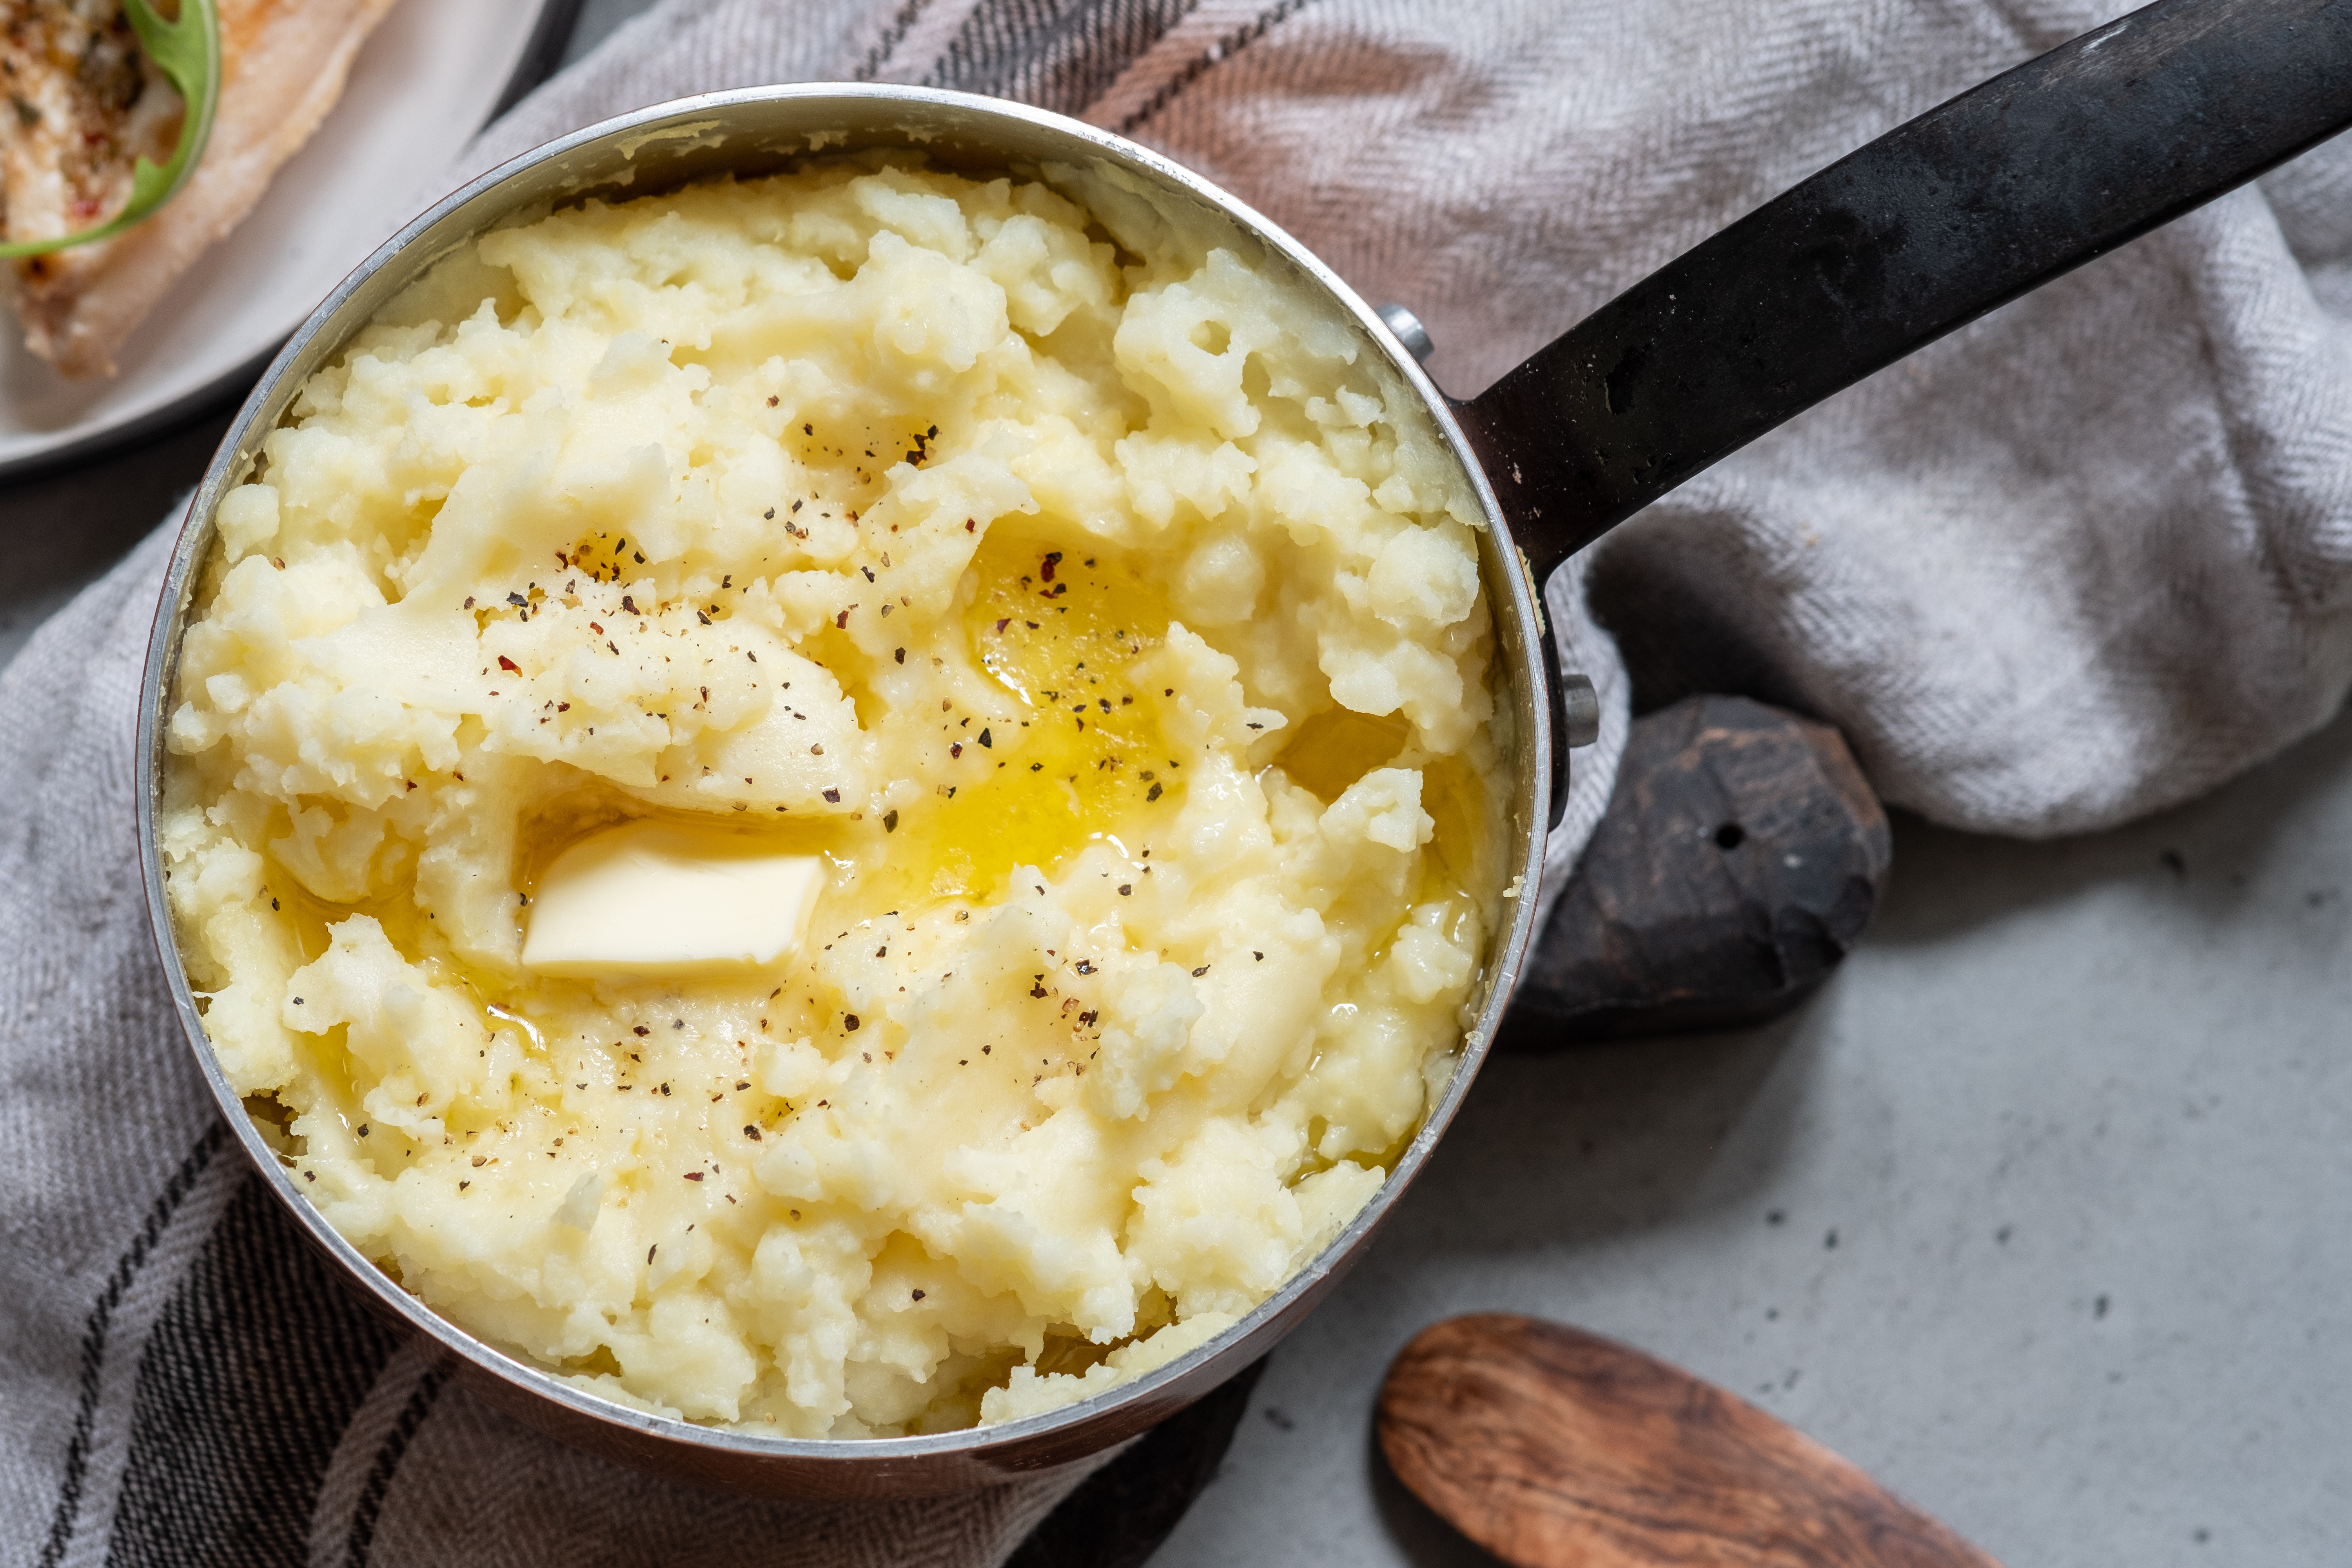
x=2085, y=559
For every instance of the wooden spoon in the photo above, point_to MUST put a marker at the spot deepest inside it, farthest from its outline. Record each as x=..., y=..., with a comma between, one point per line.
x=1556, y=1449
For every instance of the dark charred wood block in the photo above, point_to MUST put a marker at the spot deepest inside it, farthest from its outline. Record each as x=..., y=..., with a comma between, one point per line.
x=1741, y=856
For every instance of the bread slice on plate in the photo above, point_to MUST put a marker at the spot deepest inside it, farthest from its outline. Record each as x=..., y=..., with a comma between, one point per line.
x=83, y=102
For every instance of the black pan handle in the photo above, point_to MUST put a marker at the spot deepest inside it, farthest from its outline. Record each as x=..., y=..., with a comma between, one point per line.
x=1922, y=231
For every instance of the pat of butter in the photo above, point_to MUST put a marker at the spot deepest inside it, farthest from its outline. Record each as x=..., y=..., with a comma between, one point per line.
x=653, y=899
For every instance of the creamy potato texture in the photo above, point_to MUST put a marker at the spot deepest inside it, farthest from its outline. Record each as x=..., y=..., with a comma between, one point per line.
x=1088, y=602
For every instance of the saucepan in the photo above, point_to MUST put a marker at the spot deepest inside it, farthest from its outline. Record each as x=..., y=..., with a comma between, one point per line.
x=1932, y=224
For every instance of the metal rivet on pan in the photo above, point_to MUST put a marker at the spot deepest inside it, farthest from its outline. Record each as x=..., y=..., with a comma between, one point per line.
x=1409, y=330
x=1581, y=706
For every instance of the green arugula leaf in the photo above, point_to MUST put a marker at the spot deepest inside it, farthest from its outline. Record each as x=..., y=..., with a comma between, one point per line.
x=187, y=51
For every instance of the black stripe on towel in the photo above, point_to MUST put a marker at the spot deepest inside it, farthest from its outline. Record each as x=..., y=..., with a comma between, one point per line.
x=101, y=1322
x=892, y=36
x=255, y=1368
x=387, y=1463
x=1060, y=55
x=1224, y=49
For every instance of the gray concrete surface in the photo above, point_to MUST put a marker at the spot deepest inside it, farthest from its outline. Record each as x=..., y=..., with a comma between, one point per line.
x=63, y=529
x=2041, y=1212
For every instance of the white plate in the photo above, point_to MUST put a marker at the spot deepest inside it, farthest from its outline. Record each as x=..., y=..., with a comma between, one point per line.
x=428, y=78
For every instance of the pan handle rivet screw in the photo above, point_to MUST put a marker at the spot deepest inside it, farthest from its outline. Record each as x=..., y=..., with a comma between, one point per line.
x=1580, y=705
x=1409, y=330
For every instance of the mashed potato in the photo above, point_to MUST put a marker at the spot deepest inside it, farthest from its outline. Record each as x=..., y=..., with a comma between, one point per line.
x=1102, y=614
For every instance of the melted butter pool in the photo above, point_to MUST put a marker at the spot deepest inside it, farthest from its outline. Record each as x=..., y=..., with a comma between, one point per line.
x=1061, y=631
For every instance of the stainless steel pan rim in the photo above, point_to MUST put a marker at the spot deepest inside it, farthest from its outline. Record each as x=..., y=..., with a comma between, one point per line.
x=671, y=142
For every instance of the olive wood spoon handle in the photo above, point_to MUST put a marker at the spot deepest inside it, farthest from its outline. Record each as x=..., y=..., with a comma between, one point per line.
x=1556, y=1449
